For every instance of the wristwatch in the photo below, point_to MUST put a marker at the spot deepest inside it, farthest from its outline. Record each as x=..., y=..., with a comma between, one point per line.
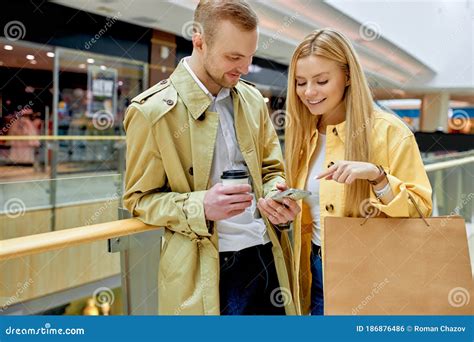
x=380, y=178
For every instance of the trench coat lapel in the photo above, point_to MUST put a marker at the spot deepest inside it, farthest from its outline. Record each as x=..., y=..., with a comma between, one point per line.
x=202, y=123
x=243, y=133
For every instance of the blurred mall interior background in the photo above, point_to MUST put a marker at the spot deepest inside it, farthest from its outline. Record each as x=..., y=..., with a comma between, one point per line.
x=69, y=69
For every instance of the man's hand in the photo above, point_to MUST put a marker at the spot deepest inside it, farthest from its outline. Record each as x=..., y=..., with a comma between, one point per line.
x=276, y=212
x=224, y=201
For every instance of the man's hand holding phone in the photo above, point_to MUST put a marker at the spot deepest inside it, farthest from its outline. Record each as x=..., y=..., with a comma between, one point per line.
x=276, y=212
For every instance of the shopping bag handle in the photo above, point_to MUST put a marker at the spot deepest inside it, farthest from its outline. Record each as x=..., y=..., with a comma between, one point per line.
x=418, y=209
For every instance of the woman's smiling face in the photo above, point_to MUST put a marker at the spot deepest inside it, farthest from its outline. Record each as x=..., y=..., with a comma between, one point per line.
x=320, y=84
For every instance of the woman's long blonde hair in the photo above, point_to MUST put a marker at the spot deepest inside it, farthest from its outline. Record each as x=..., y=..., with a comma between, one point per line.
x=300, y=123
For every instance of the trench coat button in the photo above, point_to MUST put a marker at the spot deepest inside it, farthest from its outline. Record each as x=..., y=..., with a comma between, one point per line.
x=334, y=130
x=202, y=117
x=330, y=164
x=329, y=207
x=163, y=82
x=142, y=101
x=169, y=102
x=191, y=171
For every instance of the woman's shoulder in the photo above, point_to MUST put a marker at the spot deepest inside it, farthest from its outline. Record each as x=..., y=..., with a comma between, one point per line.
x=391, y=124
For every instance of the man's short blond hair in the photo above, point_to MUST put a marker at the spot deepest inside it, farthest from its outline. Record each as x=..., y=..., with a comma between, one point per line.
x=210, y=12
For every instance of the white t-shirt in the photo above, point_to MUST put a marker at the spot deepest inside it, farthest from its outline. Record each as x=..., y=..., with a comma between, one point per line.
x=316, y=167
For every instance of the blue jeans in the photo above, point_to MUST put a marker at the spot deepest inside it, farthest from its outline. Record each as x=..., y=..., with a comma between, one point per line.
x=317, y=298
x=249, y=283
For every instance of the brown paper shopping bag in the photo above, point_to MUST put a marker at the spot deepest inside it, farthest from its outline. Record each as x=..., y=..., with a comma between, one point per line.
x=397, y=266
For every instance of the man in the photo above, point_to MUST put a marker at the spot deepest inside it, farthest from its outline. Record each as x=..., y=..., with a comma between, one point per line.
x=219, y=256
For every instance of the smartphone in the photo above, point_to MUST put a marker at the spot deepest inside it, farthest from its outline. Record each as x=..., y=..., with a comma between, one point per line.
x=294, y=194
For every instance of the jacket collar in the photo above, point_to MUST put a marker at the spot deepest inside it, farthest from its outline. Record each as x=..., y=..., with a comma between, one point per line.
x=332, y=129
x=339, y=129
x=193, y=96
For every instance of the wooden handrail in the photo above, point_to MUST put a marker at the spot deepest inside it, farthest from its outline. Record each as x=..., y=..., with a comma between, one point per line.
x=44, y=242
x=32, y=244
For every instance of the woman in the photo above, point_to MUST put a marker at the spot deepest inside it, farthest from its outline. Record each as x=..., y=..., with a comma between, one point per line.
x=351, y=156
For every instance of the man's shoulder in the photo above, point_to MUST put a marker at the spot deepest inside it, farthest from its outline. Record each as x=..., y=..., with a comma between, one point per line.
x=157, y=100
x=249, y=90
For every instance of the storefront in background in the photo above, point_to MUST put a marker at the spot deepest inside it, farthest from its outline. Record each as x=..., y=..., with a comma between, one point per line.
x=71, y=78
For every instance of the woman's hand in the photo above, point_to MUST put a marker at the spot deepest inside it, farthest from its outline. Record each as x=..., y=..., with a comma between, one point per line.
x=278, y=213
x=348, y=171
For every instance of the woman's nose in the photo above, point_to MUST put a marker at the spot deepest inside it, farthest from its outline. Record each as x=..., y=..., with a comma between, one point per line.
x=310, y=91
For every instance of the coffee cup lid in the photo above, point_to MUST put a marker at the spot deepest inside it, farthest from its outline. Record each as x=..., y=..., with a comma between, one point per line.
x=235, y=174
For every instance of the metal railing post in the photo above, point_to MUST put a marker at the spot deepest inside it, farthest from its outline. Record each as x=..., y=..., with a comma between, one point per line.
x=139, y=264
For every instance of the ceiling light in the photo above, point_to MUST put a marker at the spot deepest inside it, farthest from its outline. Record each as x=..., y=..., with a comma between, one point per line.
x=30, y=57
x=8, y=47
x=90, y=60
x=50, y=54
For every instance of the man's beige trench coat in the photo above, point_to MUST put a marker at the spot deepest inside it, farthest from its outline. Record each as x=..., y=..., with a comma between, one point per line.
x=171, y=136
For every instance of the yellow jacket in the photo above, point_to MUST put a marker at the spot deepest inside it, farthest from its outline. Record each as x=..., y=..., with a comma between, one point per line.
x=395, y=148
x=171, y=136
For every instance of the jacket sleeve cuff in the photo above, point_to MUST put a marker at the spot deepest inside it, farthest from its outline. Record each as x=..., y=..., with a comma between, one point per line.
x=399, y=205
x=193, y=209
x=270, y=189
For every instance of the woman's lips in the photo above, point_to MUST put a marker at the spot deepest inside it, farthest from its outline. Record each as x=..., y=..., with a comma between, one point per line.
x=315, y=102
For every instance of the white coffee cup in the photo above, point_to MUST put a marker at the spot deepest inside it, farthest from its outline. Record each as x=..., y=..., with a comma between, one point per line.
x=232, y=177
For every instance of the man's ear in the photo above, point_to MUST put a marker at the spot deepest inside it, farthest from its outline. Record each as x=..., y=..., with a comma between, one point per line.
x=197, y=41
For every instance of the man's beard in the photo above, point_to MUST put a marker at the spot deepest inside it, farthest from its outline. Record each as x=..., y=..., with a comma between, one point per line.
x=219, y=81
